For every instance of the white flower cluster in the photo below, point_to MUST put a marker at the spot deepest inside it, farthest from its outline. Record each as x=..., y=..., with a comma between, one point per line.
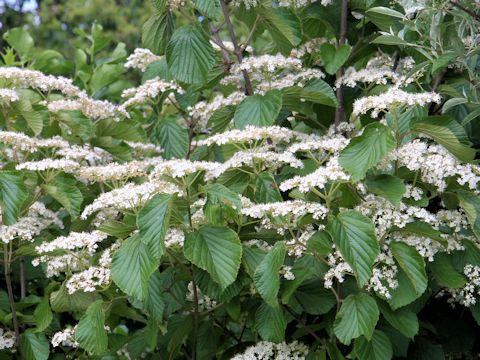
x=467, y=295
x=89, y=279
x=74, y=240
x=297, y=245
x=253, y=135
x=143, y=148
x=57, y=264
x=23, y=78
x=265, y=350
x=115, y=171
x=328, y=143
x=32, y=224
x=202, y=110
x=309, y=47
x=301, y=3
x=205, y=303
x=436, y=164
x=65, y=337
x=175, y=4
x=384, y=274
x=338, y=269
x=8, y=96
x=91, y=108
x=331, y=172
x=259, y=158
x=49, y=164
x=90, y=154
x=174, y=237
x=286, y=272
x=150, y=89
x=7, y=339
x=130, y=196
x=140, y=59
x=392, y=99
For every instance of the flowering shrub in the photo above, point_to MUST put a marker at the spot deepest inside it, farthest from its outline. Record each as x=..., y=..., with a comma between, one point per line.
x=289, y=193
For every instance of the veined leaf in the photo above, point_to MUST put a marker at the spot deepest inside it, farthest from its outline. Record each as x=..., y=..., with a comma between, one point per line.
x=173, y=138
x=132, y=266
x=217, y=250
x=13, y=194
x=354, y=234
x=390, y=187
x=357, y=316
x=404, y=320
x=412, y=263
x=267, y=278
x=367, y=150
x=90, y=332
x=63, y=188
x=190, y=56
x=378, y=348
x=448, y=133
x=471, y=205
x=34, y=346
x=157, y=31
x=270, y=323
x=258, y=110
x=210, y=8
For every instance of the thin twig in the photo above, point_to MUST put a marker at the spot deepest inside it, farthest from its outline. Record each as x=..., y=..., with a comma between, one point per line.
x=340, y=111
x=11, y=299
x=236, y=48
x=302, y=322
x=218, y=40
x=463, y=8
x=23, y=281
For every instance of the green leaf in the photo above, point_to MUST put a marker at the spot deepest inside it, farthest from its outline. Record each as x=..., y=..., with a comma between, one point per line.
x=209, y=8
x=314, y=299
x=451, y=103
x=217, y=250
x=218, y=194
x=63, y=188
x=154, y=304
x=471, y=205
x=448, y=133
x=221, y=118
x=90, y=332
x=390, y=187
x=132, y=266
x=266, y=189
x=62, y=301
x=471, y=116
x=173, y=138
x=389, y=40
x=404, y=320
x=190, y=56
x=152, y=222
x=266, y=277
x=283, y=25
x=423, y=229
x=157, y=31
x=404, y=294
x=378, y=348
x=445, y=273
x=270, y=323
x=43, y=315
x=367, y=150
x=105, y=75
x=13, y=194
x=412, y=263
x=20, y=40
x=354, y=234
x=34, y=346
x=357, y=316
x=258, y=110
x=319, y=92
x=443, y=61
x=334, y=58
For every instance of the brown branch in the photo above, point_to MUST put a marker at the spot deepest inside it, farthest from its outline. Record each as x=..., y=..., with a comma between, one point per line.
x=23, y=281
x=11, y=299
x=463, y=8
x=340, y=111
x=236, y=48
x=219, y=42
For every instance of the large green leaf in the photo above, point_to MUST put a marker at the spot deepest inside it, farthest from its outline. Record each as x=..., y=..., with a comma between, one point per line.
x=412, y=263
x=283, y=25
x=404, y=320
x=390, y=187
x=19, y=39
x=266, y=277
x=448, y=133
x=471, y=205
x=157, y=31
x=43, y=315
x=90, y=332
x=367, y=150
x=404, y=294
x=173, y=138
x=62, y=301
x=218, y=194
x=258, y=110
x=384, y=18
x=210, y=8
x=378, y=348
x=34, y=346
x=132, y=266
x=445, y=273
x=319, y=92
x=63, y=188
x=357, y=316
x=13, y=194
x=334, y=58
x=190, y=55
x=152, y=221
x=270, y=323
x=217, y=250
x=154, y=303
x=354, y=234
